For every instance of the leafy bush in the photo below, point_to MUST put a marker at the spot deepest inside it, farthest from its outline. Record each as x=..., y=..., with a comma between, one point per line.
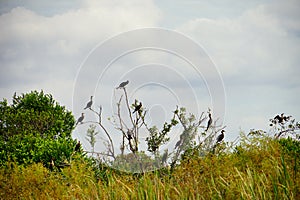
x=34, y=128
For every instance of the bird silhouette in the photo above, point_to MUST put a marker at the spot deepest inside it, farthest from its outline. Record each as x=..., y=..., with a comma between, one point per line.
x=129, y=134
x=138, y=107
x=209, y=122
x=80, y=119
x=280, y=118
x=221, y=136
x=123, y=84
x=89, y=104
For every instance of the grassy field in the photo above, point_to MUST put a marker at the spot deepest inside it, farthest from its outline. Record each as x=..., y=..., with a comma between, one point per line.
x=261, y=169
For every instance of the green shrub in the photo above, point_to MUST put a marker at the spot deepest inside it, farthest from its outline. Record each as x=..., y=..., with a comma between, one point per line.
x=34, y=128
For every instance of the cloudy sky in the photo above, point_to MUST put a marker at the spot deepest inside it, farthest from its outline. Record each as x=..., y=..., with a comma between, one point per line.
x=247, y=53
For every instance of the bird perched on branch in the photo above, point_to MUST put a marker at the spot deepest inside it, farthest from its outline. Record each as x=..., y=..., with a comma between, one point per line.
x=221, y=136
x=89, y=104
x=123, y=84
x=80, y=119
x=129, y=134
x=280, y=118
x=209, y=122
x=138, y=107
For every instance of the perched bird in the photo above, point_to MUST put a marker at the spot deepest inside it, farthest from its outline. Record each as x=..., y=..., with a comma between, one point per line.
x=221, y=136
x=209, y=122
x=77, y=147
x=138, y=107
x=80, y=119
x=129, y=134
x=280, y=118
x=123, y=84
x=89, y=104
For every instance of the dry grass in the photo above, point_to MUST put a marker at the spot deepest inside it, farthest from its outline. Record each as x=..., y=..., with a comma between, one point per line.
x=259, y=170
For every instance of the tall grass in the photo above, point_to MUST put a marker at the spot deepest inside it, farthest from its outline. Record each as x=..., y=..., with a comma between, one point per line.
x=258, y=170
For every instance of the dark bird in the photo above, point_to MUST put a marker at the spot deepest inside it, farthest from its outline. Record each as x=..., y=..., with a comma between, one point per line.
x=77, y=147
x=279, y=118
x=138, y=107
x=123, y=84
x=80, y=119
x=221, y=136
x=209, y=122
x=89, y=104
x=129, y=134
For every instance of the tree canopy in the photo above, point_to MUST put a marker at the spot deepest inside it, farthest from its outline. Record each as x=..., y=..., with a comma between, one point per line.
x=35, y=128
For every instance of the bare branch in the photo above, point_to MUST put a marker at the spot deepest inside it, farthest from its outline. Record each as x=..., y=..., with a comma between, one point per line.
x=128, y=107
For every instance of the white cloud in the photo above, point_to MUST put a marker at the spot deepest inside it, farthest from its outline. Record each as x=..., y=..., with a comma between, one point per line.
x=258, y=56
x=38, y=50
x=257, y=43
x=256, y=49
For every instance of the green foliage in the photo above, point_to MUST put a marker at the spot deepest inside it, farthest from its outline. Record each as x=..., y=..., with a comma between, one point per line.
x=34, y=128
x=290, y=146
x=186, y=145
x=29, y=148
x=91, y=136
x=158, y=138
x=34, y=113
x=136, y=163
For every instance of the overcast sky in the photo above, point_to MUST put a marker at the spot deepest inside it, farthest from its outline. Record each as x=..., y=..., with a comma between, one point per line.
x=251, y=47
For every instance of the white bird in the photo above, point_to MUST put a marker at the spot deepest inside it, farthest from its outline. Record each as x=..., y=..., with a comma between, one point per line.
x=89, y=104
x=123, y=84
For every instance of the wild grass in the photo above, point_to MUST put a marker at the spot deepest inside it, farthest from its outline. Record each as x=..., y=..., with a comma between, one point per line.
x=261, y=169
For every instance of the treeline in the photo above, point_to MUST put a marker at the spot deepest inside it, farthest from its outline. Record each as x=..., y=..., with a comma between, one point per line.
x=40, y=159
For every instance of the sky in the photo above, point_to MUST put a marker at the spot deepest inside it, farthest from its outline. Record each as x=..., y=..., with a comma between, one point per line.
x=240, y=58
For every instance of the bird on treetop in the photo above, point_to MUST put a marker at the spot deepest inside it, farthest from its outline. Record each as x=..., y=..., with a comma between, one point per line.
x=89, y=104
x=221, y=136
x=209, y=122
x=280, y=118
x=80, y=119
x=138, y=107
x=123, y=84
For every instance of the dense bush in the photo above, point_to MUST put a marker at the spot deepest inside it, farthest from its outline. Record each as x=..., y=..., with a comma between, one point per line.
x=34, y=128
